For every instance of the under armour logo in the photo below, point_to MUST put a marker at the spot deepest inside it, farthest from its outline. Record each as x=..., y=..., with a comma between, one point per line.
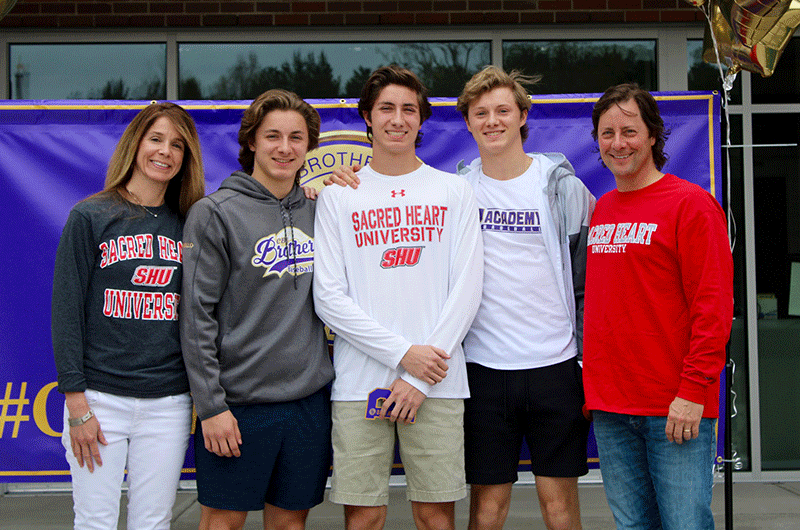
x=398, y=193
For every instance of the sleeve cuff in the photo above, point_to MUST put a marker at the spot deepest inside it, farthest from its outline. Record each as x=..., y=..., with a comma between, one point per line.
x=422, y=386
x=692, y=391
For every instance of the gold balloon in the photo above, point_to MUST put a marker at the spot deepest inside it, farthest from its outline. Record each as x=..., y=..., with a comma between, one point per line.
x=5, y=6
x=751, y=20
x=719, y=29
x=762, y=56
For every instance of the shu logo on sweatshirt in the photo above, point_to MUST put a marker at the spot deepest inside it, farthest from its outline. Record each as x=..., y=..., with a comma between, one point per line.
x=278, y=253
x=400, y=257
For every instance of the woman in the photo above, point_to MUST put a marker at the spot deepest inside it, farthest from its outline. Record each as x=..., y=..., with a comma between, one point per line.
x=255, y=351
x=114, y=322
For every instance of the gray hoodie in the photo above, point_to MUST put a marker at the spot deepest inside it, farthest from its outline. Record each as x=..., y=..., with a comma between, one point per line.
x=249, y=333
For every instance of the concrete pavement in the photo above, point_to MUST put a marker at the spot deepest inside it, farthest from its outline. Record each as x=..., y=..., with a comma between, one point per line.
x=757, y=506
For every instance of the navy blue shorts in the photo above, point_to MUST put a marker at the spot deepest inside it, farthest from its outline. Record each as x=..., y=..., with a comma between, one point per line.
x=542, y=405
x=285, y=461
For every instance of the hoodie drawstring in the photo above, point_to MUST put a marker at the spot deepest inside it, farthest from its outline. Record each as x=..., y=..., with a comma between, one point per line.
x=286, y=212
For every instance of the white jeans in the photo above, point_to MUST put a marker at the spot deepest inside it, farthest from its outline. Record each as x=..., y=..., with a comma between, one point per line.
x=150, y=436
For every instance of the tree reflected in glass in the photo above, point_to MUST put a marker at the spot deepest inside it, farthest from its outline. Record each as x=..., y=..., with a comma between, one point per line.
x=88, y=71
x=583, y=66
x=321, y=70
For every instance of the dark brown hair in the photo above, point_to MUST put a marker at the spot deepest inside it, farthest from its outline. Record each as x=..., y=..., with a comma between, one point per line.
x=393, y=75
x=648, y=108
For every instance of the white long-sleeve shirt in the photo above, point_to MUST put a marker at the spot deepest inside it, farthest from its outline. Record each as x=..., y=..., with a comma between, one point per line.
x=399, y=261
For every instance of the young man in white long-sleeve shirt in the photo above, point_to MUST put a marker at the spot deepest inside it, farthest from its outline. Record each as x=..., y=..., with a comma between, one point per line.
x=399, y=270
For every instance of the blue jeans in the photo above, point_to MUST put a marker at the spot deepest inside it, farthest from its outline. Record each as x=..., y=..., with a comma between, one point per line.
x=650, y=482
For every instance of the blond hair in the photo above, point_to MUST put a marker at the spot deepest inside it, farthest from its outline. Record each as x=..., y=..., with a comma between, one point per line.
x=492, y=77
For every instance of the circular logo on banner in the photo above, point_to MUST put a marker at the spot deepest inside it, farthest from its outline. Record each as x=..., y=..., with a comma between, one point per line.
x=336, y=148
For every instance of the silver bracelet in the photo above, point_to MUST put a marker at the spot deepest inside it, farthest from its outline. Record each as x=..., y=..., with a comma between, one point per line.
x=77, y=422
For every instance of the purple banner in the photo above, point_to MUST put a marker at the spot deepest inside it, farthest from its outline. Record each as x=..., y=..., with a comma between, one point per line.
x=55, y=153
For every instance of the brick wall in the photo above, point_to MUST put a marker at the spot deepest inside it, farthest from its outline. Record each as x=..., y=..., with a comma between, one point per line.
x=235, y=13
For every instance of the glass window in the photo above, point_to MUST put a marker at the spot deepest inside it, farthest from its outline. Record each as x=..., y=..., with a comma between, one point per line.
x=705, y=76
x=321, y=70
x=583, y=66
x=776, y=188
x=783, y=86
x=88, y=71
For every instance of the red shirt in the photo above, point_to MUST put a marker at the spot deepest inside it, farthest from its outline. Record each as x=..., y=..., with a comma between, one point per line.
x=659, y=299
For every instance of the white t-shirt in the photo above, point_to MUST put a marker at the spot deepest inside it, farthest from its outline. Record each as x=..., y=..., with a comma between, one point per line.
x=522, y=321
x=399, y=261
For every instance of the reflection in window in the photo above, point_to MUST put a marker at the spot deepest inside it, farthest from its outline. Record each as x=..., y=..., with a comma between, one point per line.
x=88, y=71
x=321, y=70
x=705, y=76
x=583, y=66
x=776, y=187
x=783, y=86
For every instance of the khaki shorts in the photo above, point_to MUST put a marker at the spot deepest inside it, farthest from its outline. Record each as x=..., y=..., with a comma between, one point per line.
x=431, y=448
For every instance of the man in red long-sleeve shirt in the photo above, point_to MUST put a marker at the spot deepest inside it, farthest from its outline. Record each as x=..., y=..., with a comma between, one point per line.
x=658, y=310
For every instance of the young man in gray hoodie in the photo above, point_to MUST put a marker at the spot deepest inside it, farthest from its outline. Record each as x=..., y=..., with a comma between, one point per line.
x=255, y=352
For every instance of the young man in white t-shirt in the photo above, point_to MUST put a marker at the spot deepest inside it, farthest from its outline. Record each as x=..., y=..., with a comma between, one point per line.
x=398, y=276
x=523, y=348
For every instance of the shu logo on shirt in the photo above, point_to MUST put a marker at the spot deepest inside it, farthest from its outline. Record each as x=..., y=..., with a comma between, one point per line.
x=278, y=255
x=153, y=275
x=400, y=257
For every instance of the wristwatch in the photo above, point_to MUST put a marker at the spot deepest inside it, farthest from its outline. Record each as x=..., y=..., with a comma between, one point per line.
x=76, y=422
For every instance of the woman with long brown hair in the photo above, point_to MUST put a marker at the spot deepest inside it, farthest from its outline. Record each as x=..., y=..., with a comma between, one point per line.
x=116, y=342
